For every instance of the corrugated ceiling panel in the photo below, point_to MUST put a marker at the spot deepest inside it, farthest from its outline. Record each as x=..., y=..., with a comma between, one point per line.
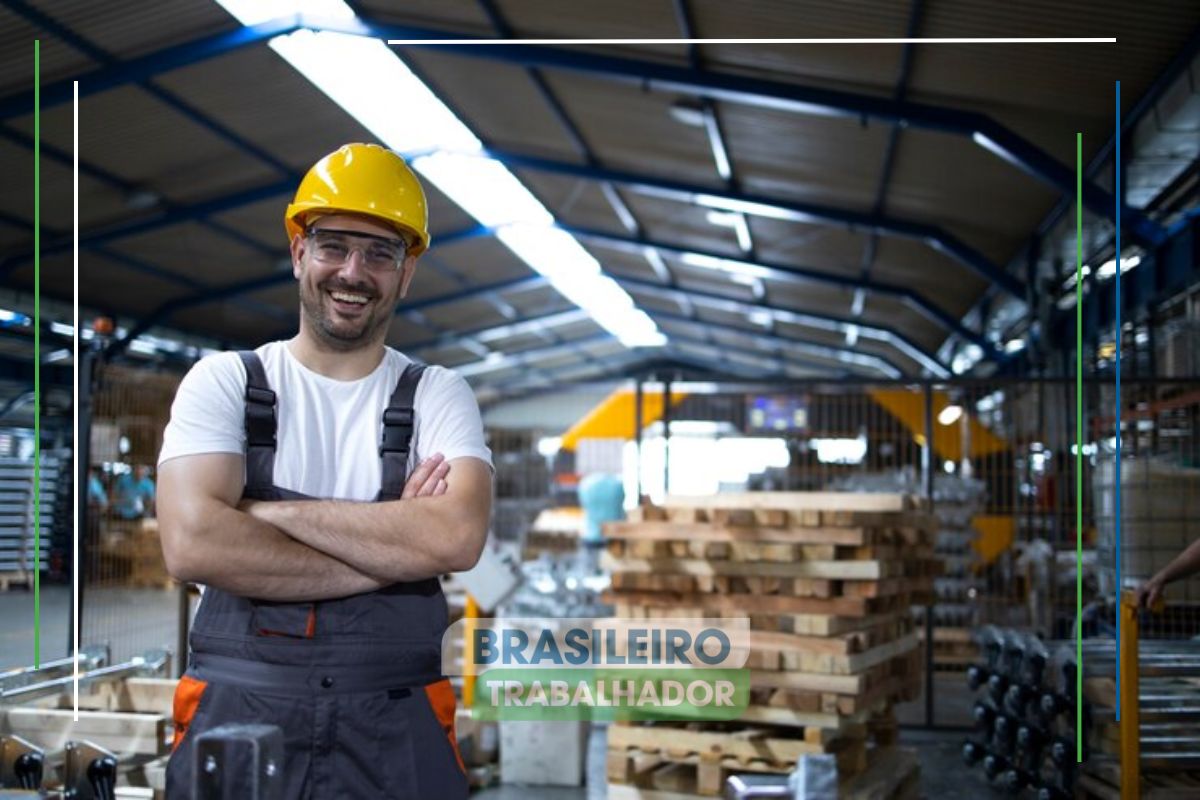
x=196, y=253
x=832, y=161
x=134, y=136
x=946, y=282
x=630, y=129
x=59, y=60
x=499, y=101
x=128, y=28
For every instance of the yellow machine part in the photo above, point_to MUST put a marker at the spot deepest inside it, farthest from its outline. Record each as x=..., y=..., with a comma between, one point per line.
x=996, y=534
x=614, y=417
x=909, y=407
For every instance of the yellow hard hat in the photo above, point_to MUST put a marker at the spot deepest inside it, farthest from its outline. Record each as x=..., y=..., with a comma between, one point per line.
x=362, y=179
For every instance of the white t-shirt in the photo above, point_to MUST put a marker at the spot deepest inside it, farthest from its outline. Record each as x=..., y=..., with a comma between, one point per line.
x=328, y=430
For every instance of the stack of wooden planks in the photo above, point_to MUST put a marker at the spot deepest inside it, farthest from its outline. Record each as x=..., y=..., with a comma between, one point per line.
x=826, y=581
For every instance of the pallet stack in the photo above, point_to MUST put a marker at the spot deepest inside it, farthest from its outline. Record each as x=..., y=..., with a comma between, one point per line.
x=826, y=580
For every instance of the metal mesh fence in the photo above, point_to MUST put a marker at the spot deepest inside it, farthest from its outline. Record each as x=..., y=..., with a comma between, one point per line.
x=127, y=600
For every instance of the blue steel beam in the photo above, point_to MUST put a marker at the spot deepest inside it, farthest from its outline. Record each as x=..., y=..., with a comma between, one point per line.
x=827, y=322
x=793, y=275
x=778, y=208
x=149, y=65
x=171, y=100
x=646, y=74
x=781, y=360
x=231, y=292
x=844, y=356
x=130, y=262
x=981, y=129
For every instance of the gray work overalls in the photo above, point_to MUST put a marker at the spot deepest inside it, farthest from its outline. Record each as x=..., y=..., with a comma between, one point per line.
x=355, y=683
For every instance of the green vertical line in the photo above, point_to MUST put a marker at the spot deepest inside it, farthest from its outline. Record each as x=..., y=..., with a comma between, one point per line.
x=1079, y=447
x=37, y=352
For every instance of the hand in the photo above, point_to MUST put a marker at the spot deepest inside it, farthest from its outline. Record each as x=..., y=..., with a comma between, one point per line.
x=1150, y=594
x=428, y=479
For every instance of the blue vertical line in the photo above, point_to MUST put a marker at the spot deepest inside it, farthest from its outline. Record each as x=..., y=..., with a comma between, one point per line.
x=1117, y=195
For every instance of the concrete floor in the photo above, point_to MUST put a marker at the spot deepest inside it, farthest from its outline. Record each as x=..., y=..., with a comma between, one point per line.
x=133, y=620
x=943, y=774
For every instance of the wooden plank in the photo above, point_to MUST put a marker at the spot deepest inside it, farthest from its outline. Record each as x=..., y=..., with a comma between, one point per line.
x=739, y=746
x=835, y=570
x=727, y=533
x=740, y=605
x=798, y=501
x=834, y=724
x=838, y=684
x=125, y=733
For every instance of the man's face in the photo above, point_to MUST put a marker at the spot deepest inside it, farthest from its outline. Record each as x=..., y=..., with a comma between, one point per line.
x=348, y=302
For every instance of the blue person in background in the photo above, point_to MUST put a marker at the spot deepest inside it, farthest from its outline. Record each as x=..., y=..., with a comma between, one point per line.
x=97, y=497
x=602, y=497
x=133, y=494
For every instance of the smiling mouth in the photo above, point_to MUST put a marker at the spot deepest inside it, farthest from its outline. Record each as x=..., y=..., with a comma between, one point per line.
x=348, y=302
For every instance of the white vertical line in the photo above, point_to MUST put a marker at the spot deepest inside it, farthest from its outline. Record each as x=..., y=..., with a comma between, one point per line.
x=79, y=468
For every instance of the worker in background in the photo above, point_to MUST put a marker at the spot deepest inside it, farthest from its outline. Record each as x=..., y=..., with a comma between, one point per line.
x=133, y=494
x=317, y=487
x=97, y=497
x=602, y=498
x=1184, y=565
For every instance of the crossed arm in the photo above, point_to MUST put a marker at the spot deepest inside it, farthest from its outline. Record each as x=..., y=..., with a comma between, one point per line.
x=318, y=549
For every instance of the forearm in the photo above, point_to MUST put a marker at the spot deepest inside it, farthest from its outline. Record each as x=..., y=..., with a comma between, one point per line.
x=1182, y=566
x=237, y=553
x=399, y=540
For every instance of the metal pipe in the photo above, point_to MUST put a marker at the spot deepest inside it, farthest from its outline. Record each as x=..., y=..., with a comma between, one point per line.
x=151, y=663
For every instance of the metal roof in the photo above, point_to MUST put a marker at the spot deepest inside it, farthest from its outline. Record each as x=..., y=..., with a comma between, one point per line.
x=191, y=141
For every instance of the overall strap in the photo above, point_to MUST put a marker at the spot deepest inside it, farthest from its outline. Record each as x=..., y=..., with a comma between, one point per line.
x=398, y=427
x=261, y=424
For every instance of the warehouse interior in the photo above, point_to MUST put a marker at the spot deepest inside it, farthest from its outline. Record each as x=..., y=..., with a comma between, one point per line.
x=842, y=340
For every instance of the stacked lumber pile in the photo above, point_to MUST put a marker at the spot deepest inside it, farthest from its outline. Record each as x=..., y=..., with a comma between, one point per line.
x=826, y=580
x=147, y=567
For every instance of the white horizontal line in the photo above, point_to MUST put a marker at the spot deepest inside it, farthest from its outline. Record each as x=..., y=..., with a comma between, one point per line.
x=992, y=40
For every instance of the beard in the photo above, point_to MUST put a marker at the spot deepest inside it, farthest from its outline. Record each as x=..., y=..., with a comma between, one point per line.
x=336, y=331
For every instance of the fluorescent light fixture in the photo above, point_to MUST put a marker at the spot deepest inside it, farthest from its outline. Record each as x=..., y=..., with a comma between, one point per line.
x=56, y=356
x=742, y=228
x=851, y=335
x=950, y=414
x=1109, y=268
x=722, y=219
x=729, y=265
x=484, y=188
x=688, y=112
x=735, y=221
x=410, y=119
x=860, y=297
x=746, y=207
x=12, y=318
x=140, y=345
x=62, y=328
x=1014, y=345
x=840, y=451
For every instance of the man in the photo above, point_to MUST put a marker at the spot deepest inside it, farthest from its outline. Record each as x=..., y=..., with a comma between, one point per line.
x=133, y=494
x=325, y=616
x=97, y=497
x=1184, y=565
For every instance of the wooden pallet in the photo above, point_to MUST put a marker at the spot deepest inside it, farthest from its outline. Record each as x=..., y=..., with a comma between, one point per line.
x=888, y=773
x=7, y=579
